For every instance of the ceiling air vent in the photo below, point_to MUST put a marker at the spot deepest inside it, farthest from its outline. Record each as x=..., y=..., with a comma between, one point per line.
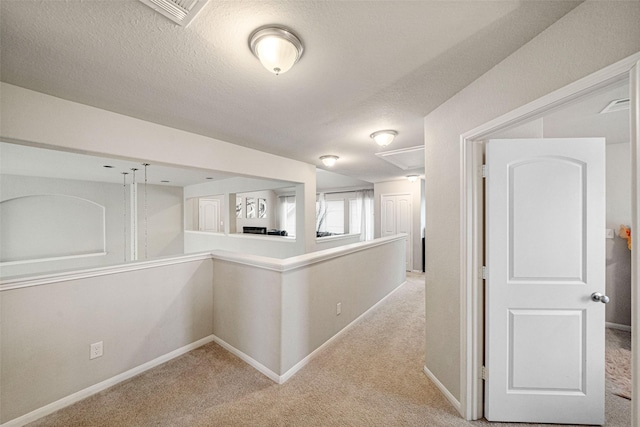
x=179, y=11
x=616, y=105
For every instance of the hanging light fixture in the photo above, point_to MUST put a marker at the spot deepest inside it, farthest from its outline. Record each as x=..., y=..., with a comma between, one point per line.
x=412, y=178
x=277, y=48
x=384, y=137
x=329, y=160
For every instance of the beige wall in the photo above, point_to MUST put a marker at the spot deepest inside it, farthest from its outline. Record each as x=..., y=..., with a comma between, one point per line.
x=38, y=119
x=47, y=330
x=588, y=38
x=278, y=312
x=618, y=254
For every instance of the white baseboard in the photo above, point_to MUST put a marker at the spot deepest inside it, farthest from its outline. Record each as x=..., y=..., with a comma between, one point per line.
x=456, y=404
x=96, y=388
x=618, y=326
x=247, y=359
x=314, y=353
x=281, y=379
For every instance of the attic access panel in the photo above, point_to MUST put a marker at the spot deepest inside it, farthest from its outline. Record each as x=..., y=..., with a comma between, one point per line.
x=405, y=158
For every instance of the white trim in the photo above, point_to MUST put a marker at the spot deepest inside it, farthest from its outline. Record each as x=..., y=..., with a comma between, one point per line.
x=443, y=389
x=274, y=264
x=301, y=261
x=618, y=326
x=58, y=258
x=336, y=237
x=301, y=364
x=634, y=92
x=247, y=359
x=96, y=388
x=16, y=283
x=469, y=256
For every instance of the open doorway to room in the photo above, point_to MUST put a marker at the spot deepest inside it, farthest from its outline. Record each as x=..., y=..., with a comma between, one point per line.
x=558, y=116
x=590, y=116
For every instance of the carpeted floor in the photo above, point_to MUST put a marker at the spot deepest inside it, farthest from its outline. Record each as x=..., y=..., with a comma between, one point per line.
x=370, y=376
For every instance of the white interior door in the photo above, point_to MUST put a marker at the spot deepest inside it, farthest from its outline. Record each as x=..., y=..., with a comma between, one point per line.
x=545, y=229
x=396, y=217
x=209, y=217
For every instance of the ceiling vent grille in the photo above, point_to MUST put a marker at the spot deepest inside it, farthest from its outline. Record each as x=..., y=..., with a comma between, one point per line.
x=616, y=105
x=179, y=11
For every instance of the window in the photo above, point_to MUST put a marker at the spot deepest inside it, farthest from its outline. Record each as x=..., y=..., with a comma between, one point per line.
x=342, y=213
x=288, y=214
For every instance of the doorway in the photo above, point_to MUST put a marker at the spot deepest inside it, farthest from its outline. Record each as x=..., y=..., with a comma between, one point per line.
x=396, y=217
x=472, y=347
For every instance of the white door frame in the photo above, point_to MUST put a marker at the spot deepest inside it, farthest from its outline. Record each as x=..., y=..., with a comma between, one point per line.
x=471, y=239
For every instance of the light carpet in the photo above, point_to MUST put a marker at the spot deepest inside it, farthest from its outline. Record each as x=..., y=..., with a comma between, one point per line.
x=618, y=362
x=369, y=376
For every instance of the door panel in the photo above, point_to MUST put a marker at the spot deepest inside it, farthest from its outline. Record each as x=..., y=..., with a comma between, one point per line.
x=545, y=221
x=396, y=217
x=388, y=216
x=209, y=215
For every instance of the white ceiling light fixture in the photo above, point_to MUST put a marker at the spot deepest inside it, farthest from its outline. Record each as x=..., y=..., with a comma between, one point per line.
x=329, y=160
x=412, y=178
x=277, y=48
x=384, y=137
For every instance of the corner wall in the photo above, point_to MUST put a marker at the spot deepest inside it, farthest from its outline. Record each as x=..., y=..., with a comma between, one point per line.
x=590, y=37
x=139, y=315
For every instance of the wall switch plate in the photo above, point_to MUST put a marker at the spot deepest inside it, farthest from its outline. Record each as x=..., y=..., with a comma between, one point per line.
x=338, y=309
x=610, y=233
x=96, y=350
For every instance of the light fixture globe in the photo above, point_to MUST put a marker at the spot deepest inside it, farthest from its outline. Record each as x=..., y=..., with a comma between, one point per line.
x=412, y=178
x=329, y=160
x=384, y=137
x=277, y=48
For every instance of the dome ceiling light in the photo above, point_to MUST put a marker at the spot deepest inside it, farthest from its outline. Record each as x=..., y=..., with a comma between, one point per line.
x=384, y=137
x=277, y=48
x=412, y=178
x=329, y=160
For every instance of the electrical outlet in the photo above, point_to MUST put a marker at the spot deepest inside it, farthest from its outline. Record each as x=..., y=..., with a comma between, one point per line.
x=610, y=234
x=338, y=309
x=96, y=350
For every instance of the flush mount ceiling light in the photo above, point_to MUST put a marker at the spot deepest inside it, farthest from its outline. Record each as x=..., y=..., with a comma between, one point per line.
x=412, y=178
x=329, y=160
x=383, y=137
x=277, y=48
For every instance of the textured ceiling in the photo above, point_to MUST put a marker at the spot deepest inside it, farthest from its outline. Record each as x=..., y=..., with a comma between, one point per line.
x=366, y=66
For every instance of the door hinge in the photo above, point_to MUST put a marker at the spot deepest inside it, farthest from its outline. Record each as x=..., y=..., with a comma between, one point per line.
x=484, y=272
x=485, y=373
x=484, y=171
